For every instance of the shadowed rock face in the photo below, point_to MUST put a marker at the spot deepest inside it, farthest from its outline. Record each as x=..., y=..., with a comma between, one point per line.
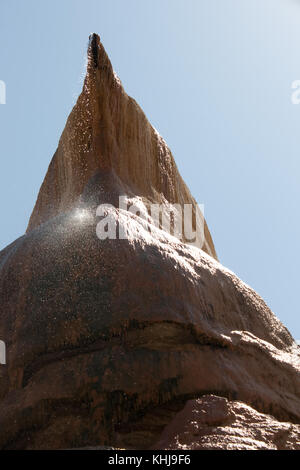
x=107, y=340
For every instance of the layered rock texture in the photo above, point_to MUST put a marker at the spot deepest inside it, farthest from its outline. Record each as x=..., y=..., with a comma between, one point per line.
x=216, y=423
x=132, y=342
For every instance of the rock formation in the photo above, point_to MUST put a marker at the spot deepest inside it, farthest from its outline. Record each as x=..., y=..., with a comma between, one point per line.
x=216, y=423
x=118, y=342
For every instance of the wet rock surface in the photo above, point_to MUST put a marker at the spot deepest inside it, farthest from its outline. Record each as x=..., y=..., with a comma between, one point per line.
x=114, y=342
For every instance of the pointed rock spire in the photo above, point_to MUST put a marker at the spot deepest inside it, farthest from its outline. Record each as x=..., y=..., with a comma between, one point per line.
x=108, y=132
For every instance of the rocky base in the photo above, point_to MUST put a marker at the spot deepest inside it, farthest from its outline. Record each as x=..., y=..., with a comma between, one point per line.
x=215, y=423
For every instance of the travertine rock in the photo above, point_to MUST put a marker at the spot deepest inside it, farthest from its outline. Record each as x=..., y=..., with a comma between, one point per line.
x=107, y=133
x=215, y=423
x=108, y=339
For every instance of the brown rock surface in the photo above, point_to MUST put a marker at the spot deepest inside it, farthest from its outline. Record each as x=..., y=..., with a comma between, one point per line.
x=216, y=423
x=108, y=133
x=108, y=339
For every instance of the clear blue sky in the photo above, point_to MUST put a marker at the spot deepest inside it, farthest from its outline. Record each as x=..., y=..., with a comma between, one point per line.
x=213, y=76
